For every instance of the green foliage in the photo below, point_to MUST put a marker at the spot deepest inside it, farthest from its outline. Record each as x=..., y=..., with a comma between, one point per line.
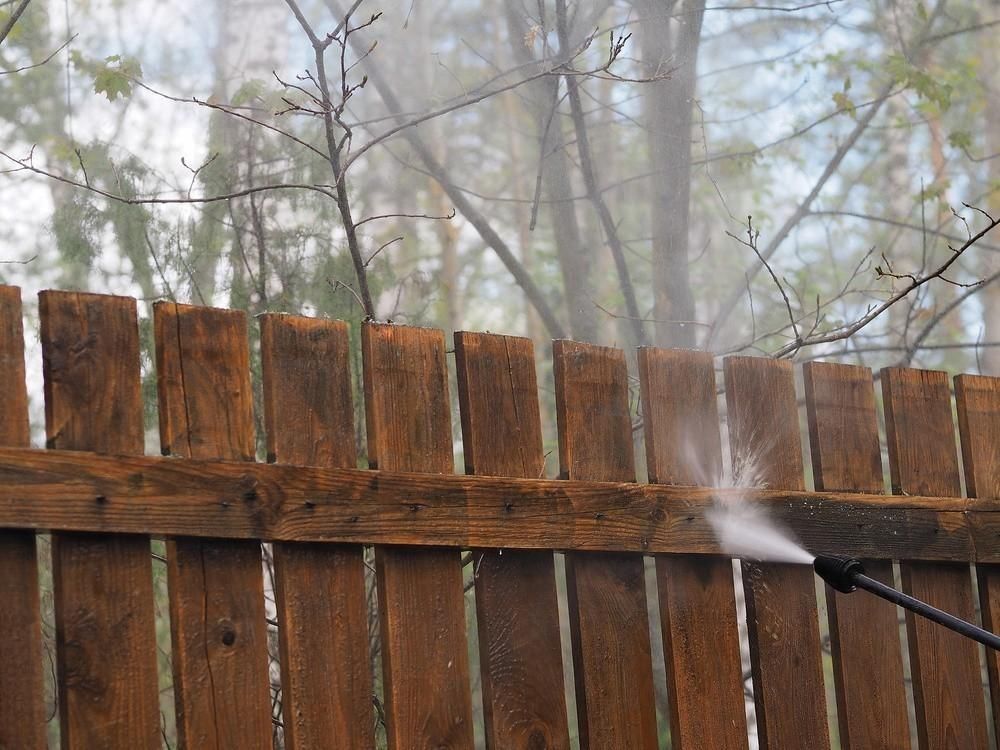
x=936, y=191
x=114, y=76
x=960, y=139
x=927, y=86
x=842, y=100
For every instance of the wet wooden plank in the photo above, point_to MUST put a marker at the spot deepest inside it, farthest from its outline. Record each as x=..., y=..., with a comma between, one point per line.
x=163, y=497
x=920, y=432
x=22, y=716
x=221, y=681
x=421, y=602
x=782, y=619
x=326, y=679
x=978, y=401
x=607, y=594
x=864, y=631
x=697, y=596
x=516, y=606
x=102, y=585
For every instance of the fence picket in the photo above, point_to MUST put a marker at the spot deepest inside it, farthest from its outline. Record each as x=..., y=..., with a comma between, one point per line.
x=216, y=587
x=326, y=679
x=421, y=602
x=697, y=595
x=978, y=401
x=864, y=631
x=922, y=459
x=607, y=593
x=516, y=606
x=102, y=584
x=782, y=618
x=22, y=718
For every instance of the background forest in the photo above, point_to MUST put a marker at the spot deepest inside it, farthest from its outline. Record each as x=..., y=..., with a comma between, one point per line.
x=805, y=180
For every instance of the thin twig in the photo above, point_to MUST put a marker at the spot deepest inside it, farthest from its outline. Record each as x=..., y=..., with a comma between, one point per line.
x=875, y=312
x=15, y=14
x=447, y=217
x=752, y=236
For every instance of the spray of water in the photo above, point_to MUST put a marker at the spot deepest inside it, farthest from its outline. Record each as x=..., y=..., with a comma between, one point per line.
x=743, y=527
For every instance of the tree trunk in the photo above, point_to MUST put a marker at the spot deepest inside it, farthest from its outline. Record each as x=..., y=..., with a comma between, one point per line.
x=991, y=261
x=671, y=44
x=574, y=255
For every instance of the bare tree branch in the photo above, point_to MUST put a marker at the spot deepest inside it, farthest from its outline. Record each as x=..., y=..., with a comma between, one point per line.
x=590, y=178
x=15, y=14
x=521, y=276
x=915, y=283
x=27, y=165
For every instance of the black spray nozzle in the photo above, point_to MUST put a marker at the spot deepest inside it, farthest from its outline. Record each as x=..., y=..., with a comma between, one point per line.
x=840, y=572
x=846, y=574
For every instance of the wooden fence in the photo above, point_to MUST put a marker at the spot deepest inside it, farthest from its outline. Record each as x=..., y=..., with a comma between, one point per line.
x=102, y=500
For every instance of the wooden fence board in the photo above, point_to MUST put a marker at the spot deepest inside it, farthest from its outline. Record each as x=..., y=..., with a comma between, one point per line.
x=103, y=585
x=607, y=595
x=920, y=432
x=22, y=717
x=782, y=619
x=864, y=632
x=978, y=401
x=421, y=602
x=326, y=678
x=516, y=606
x=164, y=497
x=221, y=680
x=697, y=596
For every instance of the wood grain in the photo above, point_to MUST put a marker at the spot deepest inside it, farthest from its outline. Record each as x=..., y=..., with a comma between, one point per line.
x=221, y=682
x=607, y=595
x=697, y=596
x=102, y=585
x=864, y=631
x=421, y=602
x=978, y=401
x=516, y=606
x=782, y=619
x=165, y=497
x=326, y=678
x=920, y=432
x=22, y=718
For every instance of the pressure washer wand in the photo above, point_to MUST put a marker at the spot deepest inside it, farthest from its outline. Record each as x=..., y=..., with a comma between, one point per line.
x=846, y=574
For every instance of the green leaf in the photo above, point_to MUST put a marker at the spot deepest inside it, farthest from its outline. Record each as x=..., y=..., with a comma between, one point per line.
x=115, y=77
x=960, y=139
x=844, y=102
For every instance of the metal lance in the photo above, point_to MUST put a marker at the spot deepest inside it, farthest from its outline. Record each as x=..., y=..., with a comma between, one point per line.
x=846, y=574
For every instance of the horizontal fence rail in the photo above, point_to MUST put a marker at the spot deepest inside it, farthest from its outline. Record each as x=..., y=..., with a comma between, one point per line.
x=170, y=497
x=310, y=604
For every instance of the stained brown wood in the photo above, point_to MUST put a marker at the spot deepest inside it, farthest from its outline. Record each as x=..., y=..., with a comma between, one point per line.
x=421, y=602
x=978, y=401
x=516, y=606
x=782, y=619
x=102, y=585
x=607, y=596
x=22, y=719
x=697, y=597
x=165, y=497
x=326, y=679
x=14, y=430
x=221, y=682
x=920, y=433
x=864, y=631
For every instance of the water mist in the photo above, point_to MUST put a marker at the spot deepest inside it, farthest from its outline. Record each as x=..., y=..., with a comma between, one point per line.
x=743, y=527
